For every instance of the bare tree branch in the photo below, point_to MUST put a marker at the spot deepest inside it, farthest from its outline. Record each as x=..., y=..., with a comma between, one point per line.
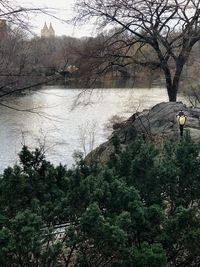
x=169, y=27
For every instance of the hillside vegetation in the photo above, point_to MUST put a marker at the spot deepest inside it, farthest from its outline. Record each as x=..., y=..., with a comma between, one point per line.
x=140, y=209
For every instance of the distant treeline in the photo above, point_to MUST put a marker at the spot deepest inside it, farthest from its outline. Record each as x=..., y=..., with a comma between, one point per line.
x=27, y=62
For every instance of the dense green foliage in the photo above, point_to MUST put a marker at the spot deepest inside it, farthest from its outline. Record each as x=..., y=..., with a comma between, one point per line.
x=140, y=210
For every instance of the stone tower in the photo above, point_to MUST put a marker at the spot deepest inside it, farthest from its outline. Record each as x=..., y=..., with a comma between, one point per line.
x=47, y=32
x=51, y=31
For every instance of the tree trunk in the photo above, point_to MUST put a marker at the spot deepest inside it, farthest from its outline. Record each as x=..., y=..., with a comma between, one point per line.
x=173, y=84
x=171, y=87
x=172, y=92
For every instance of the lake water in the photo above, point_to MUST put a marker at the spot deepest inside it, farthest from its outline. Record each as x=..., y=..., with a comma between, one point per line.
x=63, y=127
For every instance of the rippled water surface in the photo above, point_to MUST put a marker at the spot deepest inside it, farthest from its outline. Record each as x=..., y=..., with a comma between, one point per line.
x=61, y=127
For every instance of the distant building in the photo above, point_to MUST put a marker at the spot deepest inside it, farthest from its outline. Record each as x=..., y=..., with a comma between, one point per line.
x=3, y=28
x=47, y=32
x=51, y=31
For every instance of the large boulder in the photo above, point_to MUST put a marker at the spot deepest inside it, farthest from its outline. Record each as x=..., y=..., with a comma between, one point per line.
x=156, y=124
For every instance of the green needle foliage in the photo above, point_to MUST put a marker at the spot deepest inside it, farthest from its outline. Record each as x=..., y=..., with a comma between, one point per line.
x=141, y=209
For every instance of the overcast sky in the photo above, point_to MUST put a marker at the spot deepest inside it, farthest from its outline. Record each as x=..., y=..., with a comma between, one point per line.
x=60, y=8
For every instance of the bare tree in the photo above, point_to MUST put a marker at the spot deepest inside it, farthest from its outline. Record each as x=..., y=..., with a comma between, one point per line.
x=193, y=96
x=17, y=70
x=168, y=28
x=87, y=134
x=16, y=14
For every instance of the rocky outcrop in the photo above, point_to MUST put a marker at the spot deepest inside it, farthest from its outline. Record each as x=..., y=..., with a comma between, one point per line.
x=156, y=124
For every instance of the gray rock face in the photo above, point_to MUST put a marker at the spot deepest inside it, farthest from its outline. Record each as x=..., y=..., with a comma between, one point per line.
x=157, y=123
